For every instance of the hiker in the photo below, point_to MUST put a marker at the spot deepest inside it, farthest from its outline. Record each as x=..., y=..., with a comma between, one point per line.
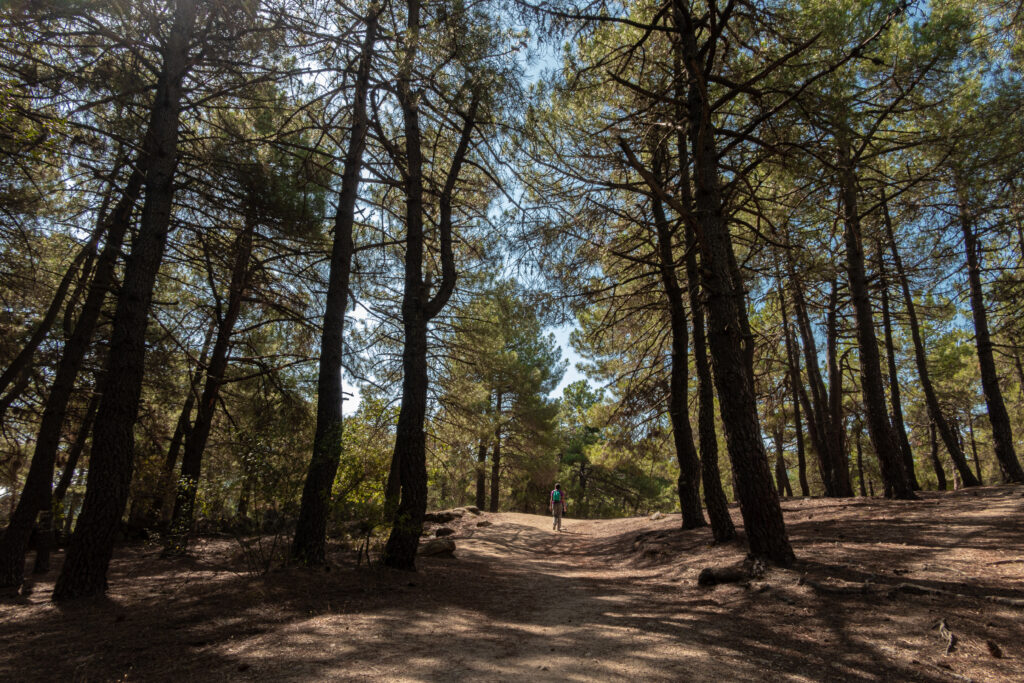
x=558, y=507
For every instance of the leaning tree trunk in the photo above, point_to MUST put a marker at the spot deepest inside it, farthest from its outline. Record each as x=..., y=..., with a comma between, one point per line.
x=195, y=441
x=938, y=419
x=752, y=480
x=110, y=468
x=49, y=515
x=22, y=362
x=1002, y=434
x=883, y=437
x=36, y=493
x=682, y=432
x=308, y=545
x=906, y=454
x=722, y=527
x=418, y=308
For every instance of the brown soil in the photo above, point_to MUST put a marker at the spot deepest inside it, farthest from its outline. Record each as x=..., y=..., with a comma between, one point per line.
x=604, y=600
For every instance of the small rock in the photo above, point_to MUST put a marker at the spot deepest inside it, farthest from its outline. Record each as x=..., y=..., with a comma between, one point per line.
x=485, y=523
x=438, y=547
x=657, y=515
x=444, y=531
x=472, y=509
x=994, y=649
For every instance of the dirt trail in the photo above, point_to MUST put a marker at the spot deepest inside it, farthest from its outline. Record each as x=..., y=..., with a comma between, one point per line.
x=604, y=600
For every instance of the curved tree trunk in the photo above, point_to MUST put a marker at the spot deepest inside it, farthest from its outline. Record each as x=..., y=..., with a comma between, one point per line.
x=85, y=566
x=311, y=527
x=418, y=308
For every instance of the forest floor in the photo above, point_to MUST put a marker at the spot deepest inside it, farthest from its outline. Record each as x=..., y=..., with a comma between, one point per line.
x=603, y=600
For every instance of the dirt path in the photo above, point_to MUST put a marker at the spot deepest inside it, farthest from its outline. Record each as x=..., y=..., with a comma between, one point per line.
x=605, y=600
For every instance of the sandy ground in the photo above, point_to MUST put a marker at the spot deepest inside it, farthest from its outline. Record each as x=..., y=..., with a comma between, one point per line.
x=604, y=600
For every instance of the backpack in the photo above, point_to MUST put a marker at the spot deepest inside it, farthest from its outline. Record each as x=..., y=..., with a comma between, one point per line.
x=556, y=496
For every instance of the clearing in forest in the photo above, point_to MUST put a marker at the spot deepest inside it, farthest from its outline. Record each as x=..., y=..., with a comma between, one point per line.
x=605, y=600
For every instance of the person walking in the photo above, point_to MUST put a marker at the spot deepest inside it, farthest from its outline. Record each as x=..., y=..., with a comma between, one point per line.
x=558, y=507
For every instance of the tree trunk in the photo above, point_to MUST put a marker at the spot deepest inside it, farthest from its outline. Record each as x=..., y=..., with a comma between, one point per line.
x=860, y=461
x=818, y=423
x=940, y=475
x=418, y=308
x=974, y=449
x=722, y=528
x=481, y=476
x=36, y=492
x=759, y=503
x=906, y=454
x=496, y=456
x=308, y=545
x=795, y=383
x=883, y=437
x=938, y=418
x=49, y=516
x=197, y=436
x=781, y=476
x=837, y=432
x=682, y=432
x=163, y=503
x=1002, y=434
x=85, y=566
x=22, y=362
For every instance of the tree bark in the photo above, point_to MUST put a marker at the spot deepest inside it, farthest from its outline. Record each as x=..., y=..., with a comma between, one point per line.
x=818, y=422
x=23, y=361
x=759, y=503
x=496, y=455
x=418, y=308
x=163, y=503
x=837, y=433
x=883, y=437
x=974, y=449
x=1002, y=433
x=795, y=383
x=906, y=454
x=308, y=545
x=197, y=436
x=860, y=461
x=36, y=492
x=722, y=528
x=682, y=432
x=781, y=476
x=85, y=566
x=940, y=475
x=935, y=413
